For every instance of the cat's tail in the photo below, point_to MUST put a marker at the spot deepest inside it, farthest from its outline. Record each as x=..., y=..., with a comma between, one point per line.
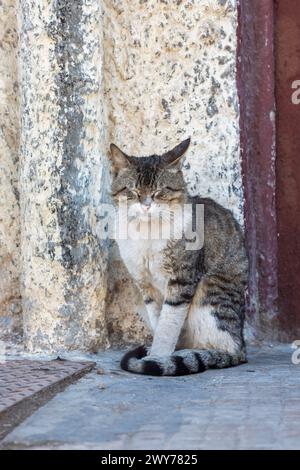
x=183, y=362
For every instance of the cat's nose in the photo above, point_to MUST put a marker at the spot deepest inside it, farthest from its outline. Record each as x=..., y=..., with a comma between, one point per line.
x=146, y=203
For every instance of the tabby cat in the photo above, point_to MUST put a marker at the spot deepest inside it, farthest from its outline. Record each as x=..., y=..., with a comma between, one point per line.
x=194, y=298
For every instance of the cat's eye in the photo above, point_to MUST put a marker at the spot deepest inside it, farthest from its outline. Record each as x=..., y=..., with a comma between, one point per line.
x=118, y=191
x=129, y=191
x=133, y=192
x=168, y=188
x=161, y=193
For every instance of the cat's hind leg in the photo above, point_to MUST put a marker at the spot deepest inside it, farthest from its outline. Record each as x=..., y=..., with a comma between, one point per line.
x=216, y=316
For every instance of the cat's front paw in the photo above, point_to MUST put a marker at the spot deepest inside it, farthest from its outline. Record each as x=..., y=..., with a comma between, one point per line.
x=136, y=360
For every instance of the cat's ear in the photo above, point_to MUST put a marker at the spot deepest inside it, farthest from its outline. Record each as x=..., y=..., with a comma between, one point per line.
x=173, y=156
x=119, y=159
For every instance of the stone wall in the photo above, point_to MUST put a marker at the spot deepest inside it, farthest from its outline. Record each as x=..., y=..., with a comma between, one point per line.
x=143, y=74
x=10, y=301
x=170, y=73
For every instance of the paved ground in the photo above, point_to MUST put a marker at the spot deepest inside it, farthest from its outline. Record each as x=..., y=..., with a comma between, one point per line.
x=254, y=406
x=25, y=385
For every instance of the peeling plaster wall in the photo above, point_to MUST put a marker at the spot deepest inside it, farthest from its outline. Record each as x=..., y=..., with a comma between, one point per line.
x=170, y=73
x=144, y=74
x=10, y=303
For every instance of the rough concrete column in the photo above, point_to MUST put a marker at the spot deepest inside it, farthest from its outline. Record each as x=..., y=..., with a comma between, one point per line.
x=10, y=303
x=62, y=176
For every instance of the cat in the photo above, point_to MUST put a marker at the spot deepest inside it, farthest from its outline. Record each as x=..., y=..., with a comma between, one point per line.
x=194, y=298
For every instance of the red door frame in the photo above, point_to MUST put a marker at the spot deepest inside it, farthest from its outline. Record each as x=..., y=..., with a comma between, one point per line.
x=287, y=57
x=256, y=86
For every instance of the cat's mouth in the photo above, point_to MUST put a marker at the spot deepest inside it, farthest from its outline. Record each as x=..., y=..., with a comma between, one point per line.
x=145, y=216
x=142, y=212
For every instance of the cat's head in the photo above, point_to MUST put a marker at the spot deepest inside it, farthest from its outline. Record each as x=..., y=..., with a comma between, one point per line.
x=148, y=184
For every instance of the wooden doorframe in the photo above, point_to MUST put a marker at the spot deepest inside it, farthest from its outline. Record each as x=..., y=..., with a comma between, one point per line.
x=256, y=88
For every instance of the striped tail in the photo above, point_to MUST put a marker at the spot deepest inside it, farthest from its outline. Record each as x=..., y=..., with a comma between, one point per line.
x=183, y=362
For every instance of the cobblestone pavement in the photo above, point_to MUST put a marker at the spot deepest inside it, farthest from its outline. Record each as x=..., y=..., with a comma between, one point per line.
x=254, y=406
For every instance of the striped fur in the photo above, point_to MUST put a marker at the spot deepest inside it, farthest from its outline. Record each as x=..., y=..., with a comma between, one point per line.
x=184, y=362
x=194, y=298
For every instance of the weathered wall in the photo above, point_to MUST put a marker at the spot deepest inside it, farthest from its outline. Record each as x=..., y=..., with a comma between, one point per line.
x=144, y=74
x=170, y=73
x=10, y=302
x=62, y=173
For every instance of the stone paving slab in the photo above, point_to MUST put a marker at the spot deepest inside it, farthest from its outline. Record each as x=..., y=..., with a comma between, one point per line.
x=254, y=406
x=25, y=385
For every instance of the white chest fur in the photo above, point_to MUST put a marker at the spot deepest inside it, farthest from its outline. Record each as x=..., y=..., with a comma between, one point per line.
x=144, y=261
